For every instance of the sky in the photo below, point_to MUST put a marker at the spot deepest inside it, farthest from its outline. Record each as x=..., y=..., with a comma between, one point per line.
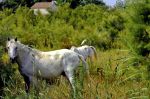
x=110, y=2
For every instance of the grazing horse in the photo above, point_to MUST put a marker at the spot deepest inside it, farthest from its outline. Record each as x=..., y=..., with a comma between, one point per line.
x=34, y=63
x=86, y=51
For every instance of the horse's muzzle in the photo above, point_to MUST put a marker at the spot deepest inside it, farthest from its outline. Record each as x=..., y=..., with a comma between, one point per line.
x=12, y=60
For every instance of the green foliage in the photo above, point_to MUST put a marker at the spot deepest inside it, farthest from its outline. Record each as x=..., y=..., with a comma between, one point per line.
x=137, y=34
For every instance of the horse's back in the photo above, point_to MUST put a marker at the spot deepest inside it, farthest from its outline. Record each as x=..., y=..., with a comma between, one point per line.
x=61, y=51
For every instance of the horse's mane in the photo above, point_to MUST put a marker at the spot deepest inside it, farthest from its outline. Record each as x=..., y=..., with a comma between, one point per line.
x=27, y=48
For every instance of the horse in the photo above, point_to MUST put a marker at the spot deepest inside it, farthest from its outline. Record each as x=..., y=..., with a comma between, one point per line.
x=86, y=51
x=33, y=63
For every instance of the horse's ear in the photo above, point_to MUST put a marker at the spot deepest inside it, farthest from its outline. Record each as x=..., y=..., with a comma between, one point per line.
x=16, y=39
x=8, y=39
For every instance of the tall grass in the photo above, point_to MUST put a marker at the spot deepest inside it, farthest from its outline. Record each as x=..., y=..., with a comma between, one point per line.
x=115, y=79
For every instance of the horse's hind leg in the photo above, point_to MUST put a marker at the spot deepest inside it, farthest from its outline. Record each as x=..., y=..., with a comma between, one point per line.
x=70, y=77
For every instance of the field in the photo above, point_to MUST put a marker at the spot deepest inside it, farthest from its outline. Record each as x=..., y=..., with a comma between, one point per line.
x=121, y=36
x=114, y=79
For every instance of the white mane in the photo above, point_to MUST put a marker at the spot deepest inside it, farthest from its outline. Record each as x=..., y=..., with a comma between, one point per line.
x=26, y=48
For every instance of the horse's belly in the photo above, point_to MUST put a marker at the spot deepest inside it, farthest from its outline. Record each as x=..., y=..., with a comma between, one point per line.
x=47, y=73
x=49, y=69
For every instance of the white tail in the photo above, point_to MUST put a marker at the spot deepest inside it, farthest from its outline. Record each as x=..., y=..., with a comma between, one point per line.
x=95, y=53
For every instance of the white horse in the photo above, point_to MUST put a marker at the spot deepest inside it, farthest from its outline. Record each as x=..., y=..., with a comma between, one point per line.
x=34, y=63
x=86, y=51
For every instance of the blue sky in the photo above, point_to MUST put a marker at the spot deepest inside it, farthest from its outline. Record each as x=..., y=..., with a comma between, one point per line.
x=110, y=2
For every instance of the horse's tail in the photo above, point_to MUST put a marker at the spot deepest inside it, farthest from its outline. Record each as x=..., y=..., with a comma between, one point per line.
x=84, y=63
x=95, y=53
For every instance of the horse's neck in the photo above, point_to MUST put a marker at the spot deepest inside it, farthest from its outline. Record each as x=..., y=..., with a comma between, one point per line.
x=23, y=49
x=23, y=54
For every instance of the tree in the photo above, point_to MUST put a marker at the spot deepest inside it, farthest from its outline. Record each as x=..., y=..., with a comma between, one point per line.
x=119, y=4
x=14, y=4
x=138, y=36
x=75, y=3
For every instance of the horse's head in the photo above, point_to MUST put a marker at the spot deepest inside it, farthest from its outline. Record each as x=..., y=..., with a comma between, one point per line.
x=12, y=49
x=72, y=48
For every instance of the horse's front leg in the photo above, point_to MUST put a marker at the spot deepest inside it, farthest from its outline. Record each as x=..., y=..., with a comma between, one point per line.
x=27, y=83
x=34, y=81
